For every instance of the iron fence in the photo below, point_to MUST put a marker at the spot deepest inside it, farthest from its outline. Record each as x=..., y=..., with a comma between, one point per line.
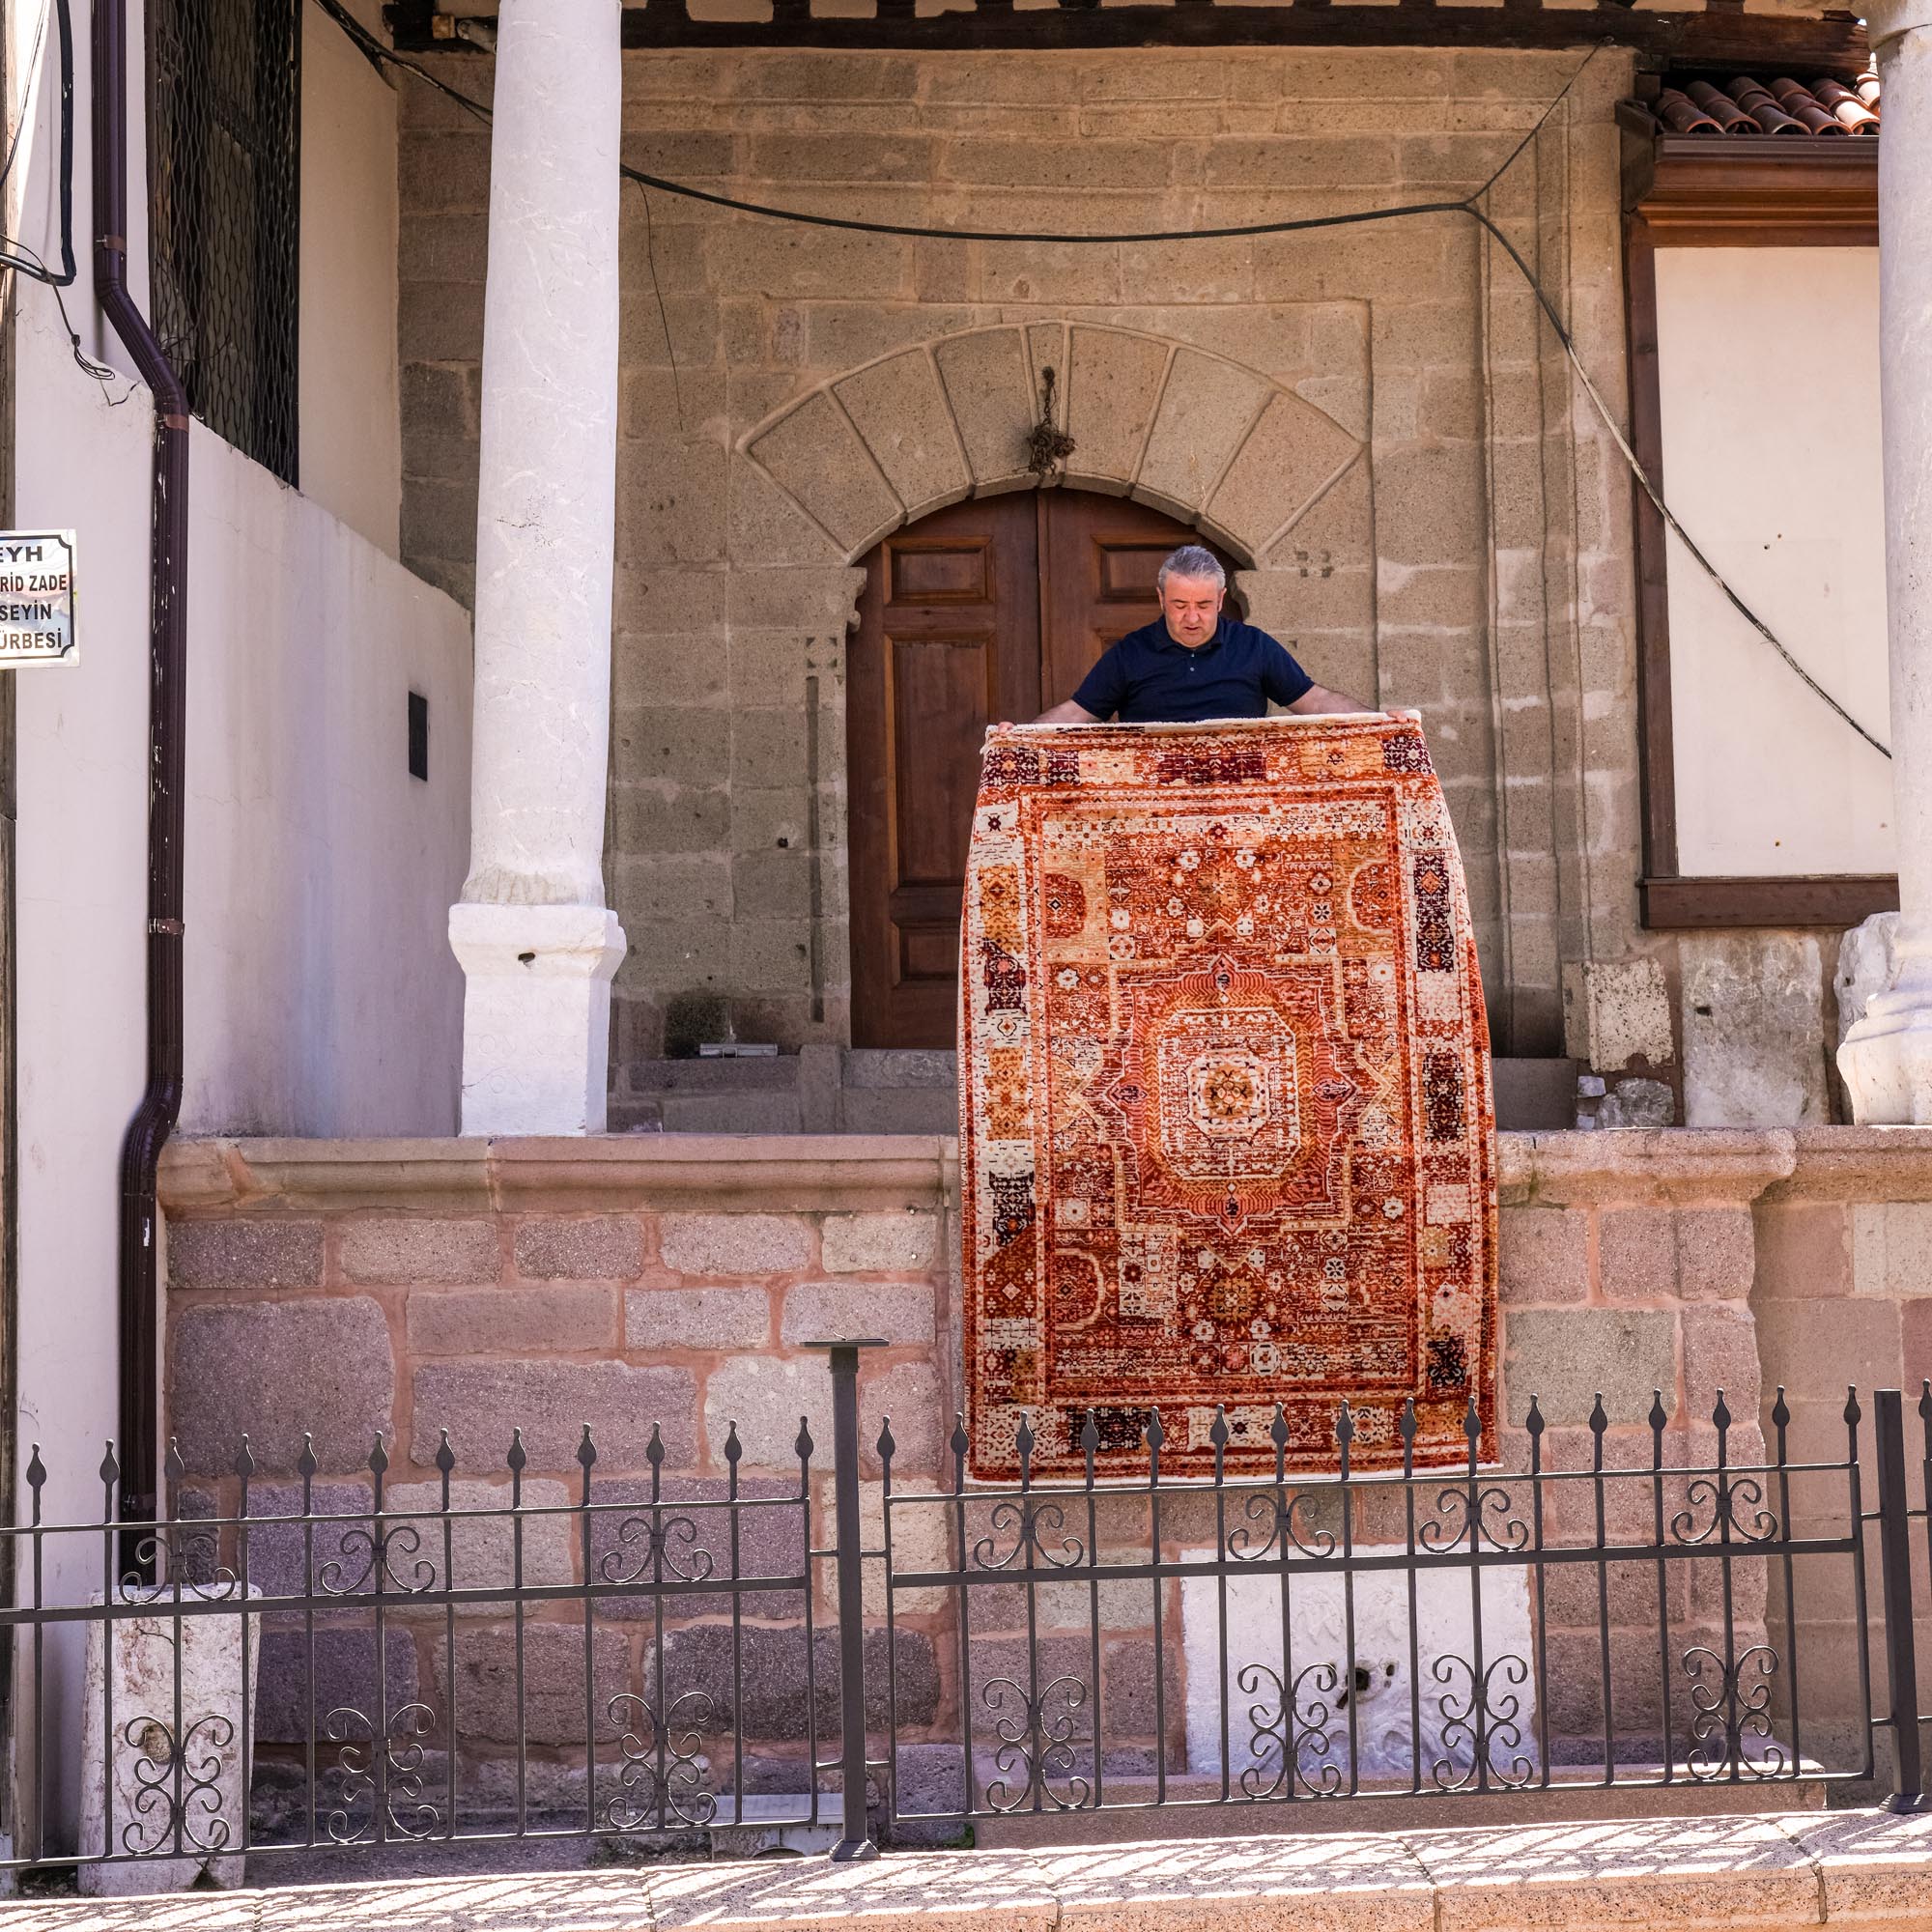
x=423, y=1667
x=301, y=1664
x=1418, y=1633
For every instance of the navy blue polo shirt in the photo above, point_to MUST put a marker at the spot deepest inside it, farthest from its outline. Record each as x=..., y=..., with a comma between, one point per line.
x=1147, y=678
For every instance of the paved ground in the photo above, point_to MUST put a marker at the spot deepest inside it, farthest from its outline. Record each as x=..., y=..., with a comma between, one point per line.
x=1750, y=1874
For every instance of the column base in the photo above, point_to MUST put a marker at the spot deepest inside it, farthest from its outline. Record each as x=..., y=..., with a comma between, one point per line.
x=1885, y=1063
x=536, y=1015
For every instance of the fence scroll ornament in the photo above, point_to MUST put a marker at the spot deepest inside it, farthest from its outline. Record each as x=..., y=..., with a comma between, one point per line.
x=662, y=1774
x=380, y=1773
x=177, y=1798
x=1294, y=1735
x=663, y=1653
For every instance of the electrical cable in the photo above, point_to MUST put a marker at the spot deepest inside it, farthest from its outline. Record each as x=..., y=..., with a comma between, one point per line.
x=103, y=373
x=1244, y=230
x=100, y=372
x=1467, y=205
x=664, y=318
x=15, y=254
x=374, y=50
x=33, y=64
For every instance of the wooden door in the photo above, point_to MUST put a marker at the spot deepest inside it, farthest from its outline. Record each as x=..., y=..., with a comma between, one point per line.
x=991, y=610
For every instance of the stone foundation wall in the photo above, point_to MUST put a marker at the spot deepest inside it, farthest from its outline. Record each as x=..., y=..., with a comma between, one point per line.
x=1843, y=1297
x=670, y=1282
x=1758, y=1264
x=1619, y=1284
x=405, y=1289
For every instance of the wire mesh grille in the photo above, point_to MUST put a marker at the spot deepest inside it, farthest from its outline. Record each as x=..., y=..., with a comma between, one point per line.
x=224, y=167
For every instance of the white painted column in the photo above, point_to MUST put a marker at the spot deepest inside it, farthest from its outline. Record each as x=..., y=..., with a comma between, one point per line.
x=536, y=942
x=1887, y=1057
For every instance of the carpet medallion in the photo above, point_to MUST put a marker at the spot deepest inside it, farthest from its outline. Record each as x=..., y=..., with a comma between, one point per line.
x=1227, y=1135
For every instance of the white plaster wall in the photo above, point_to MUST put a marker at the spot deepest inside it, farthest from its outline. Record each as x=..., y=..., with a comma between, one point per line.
x=322, y=994
x=80, y=461
x=1767, y=379
x=18, y=30
x=80, y=885
x=351, y=437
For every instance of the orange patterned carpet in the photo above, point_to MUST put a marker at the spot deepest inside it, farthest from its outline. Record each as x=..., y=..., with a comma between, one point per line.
x=1227, y=1134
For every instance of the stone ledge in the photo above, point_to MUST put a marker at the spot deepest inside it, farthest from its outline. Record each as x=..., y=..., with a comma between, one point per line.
x=1668, y=1165
x=831, y=1171
x=1657, y=1164
x=1753, y=1874
x=799, y=1172
x=1839, y=1163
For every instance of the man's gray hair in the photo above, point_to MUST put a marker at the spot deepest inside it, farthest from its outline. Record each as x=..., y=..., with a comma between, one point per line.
x=1191, y=560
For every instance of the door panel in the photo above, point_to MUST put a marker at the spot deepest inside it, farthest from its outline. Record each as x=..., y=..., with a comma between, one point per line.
x=933, y=572
x=948, y=643
x=991, y=610
x=943, y=695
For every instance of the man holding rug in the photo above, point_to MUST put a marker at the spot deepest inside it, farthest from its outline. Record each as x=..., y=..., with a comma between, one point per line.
x=1193, y=663
x=1227, y=1140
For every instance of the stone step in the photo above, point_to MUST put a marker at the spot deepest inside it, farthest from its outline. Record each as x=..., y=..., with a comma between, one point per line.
x=756, y=1826
x=1853, y=1867
x=877, y=1066
x=817, y=1090
x=1188, y=1809
x=825, y=1090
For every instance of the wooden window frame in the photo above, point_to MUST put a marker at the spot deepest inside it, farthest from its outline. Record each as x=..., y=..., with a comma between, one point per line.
x=1729, y=191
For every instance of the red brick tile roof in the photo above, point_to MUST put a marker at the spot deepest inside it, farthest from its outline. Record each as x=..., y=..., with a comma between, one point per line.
x=1746, y=105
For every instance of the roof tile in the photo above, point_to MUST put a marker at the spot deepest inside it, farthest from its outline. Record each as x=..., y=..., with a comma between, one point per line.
x=1823, y=109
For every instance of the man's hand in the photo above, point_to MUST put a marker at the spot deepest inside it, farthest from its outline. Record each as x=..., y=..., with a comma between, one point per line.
x=1317, y=698
x=1069, y=713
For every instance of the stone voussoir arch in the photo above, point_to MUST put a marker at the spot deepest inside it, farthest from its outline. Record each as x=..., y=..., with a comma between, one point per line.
x=1206, y=438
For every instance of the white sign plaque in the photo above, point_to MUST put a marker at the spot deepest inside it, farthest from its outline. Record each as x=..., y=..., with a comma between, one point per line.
x=37, y=598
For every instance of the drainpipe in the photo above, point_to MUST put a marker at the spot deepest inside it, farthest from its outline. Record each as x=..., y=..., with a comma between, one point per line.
x=160, y=1104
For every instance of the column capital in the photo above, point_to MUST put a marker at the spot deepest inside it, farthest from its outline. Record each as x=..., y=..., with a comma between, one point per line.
x=1886, y=20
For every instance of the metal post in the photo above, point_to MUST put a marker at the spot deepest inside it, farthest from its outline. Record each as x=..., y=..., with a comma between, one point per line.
x=1907, y=1783
x=857, y=1843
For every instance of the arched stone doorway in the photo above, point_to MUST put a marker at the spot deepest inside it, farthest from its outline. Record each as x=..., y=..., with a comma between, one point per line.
x=837, y=475
x=991, y=610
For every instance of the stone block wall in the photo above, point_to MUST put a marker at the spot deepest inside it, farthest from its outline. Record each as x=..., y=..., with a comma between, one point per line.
x=1792, y=1265
x=1717, y=1028
x=402, y=1291
x=1844, y=1298
x=1372, y=420
x=671, y=1281
x=1627, y=1269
